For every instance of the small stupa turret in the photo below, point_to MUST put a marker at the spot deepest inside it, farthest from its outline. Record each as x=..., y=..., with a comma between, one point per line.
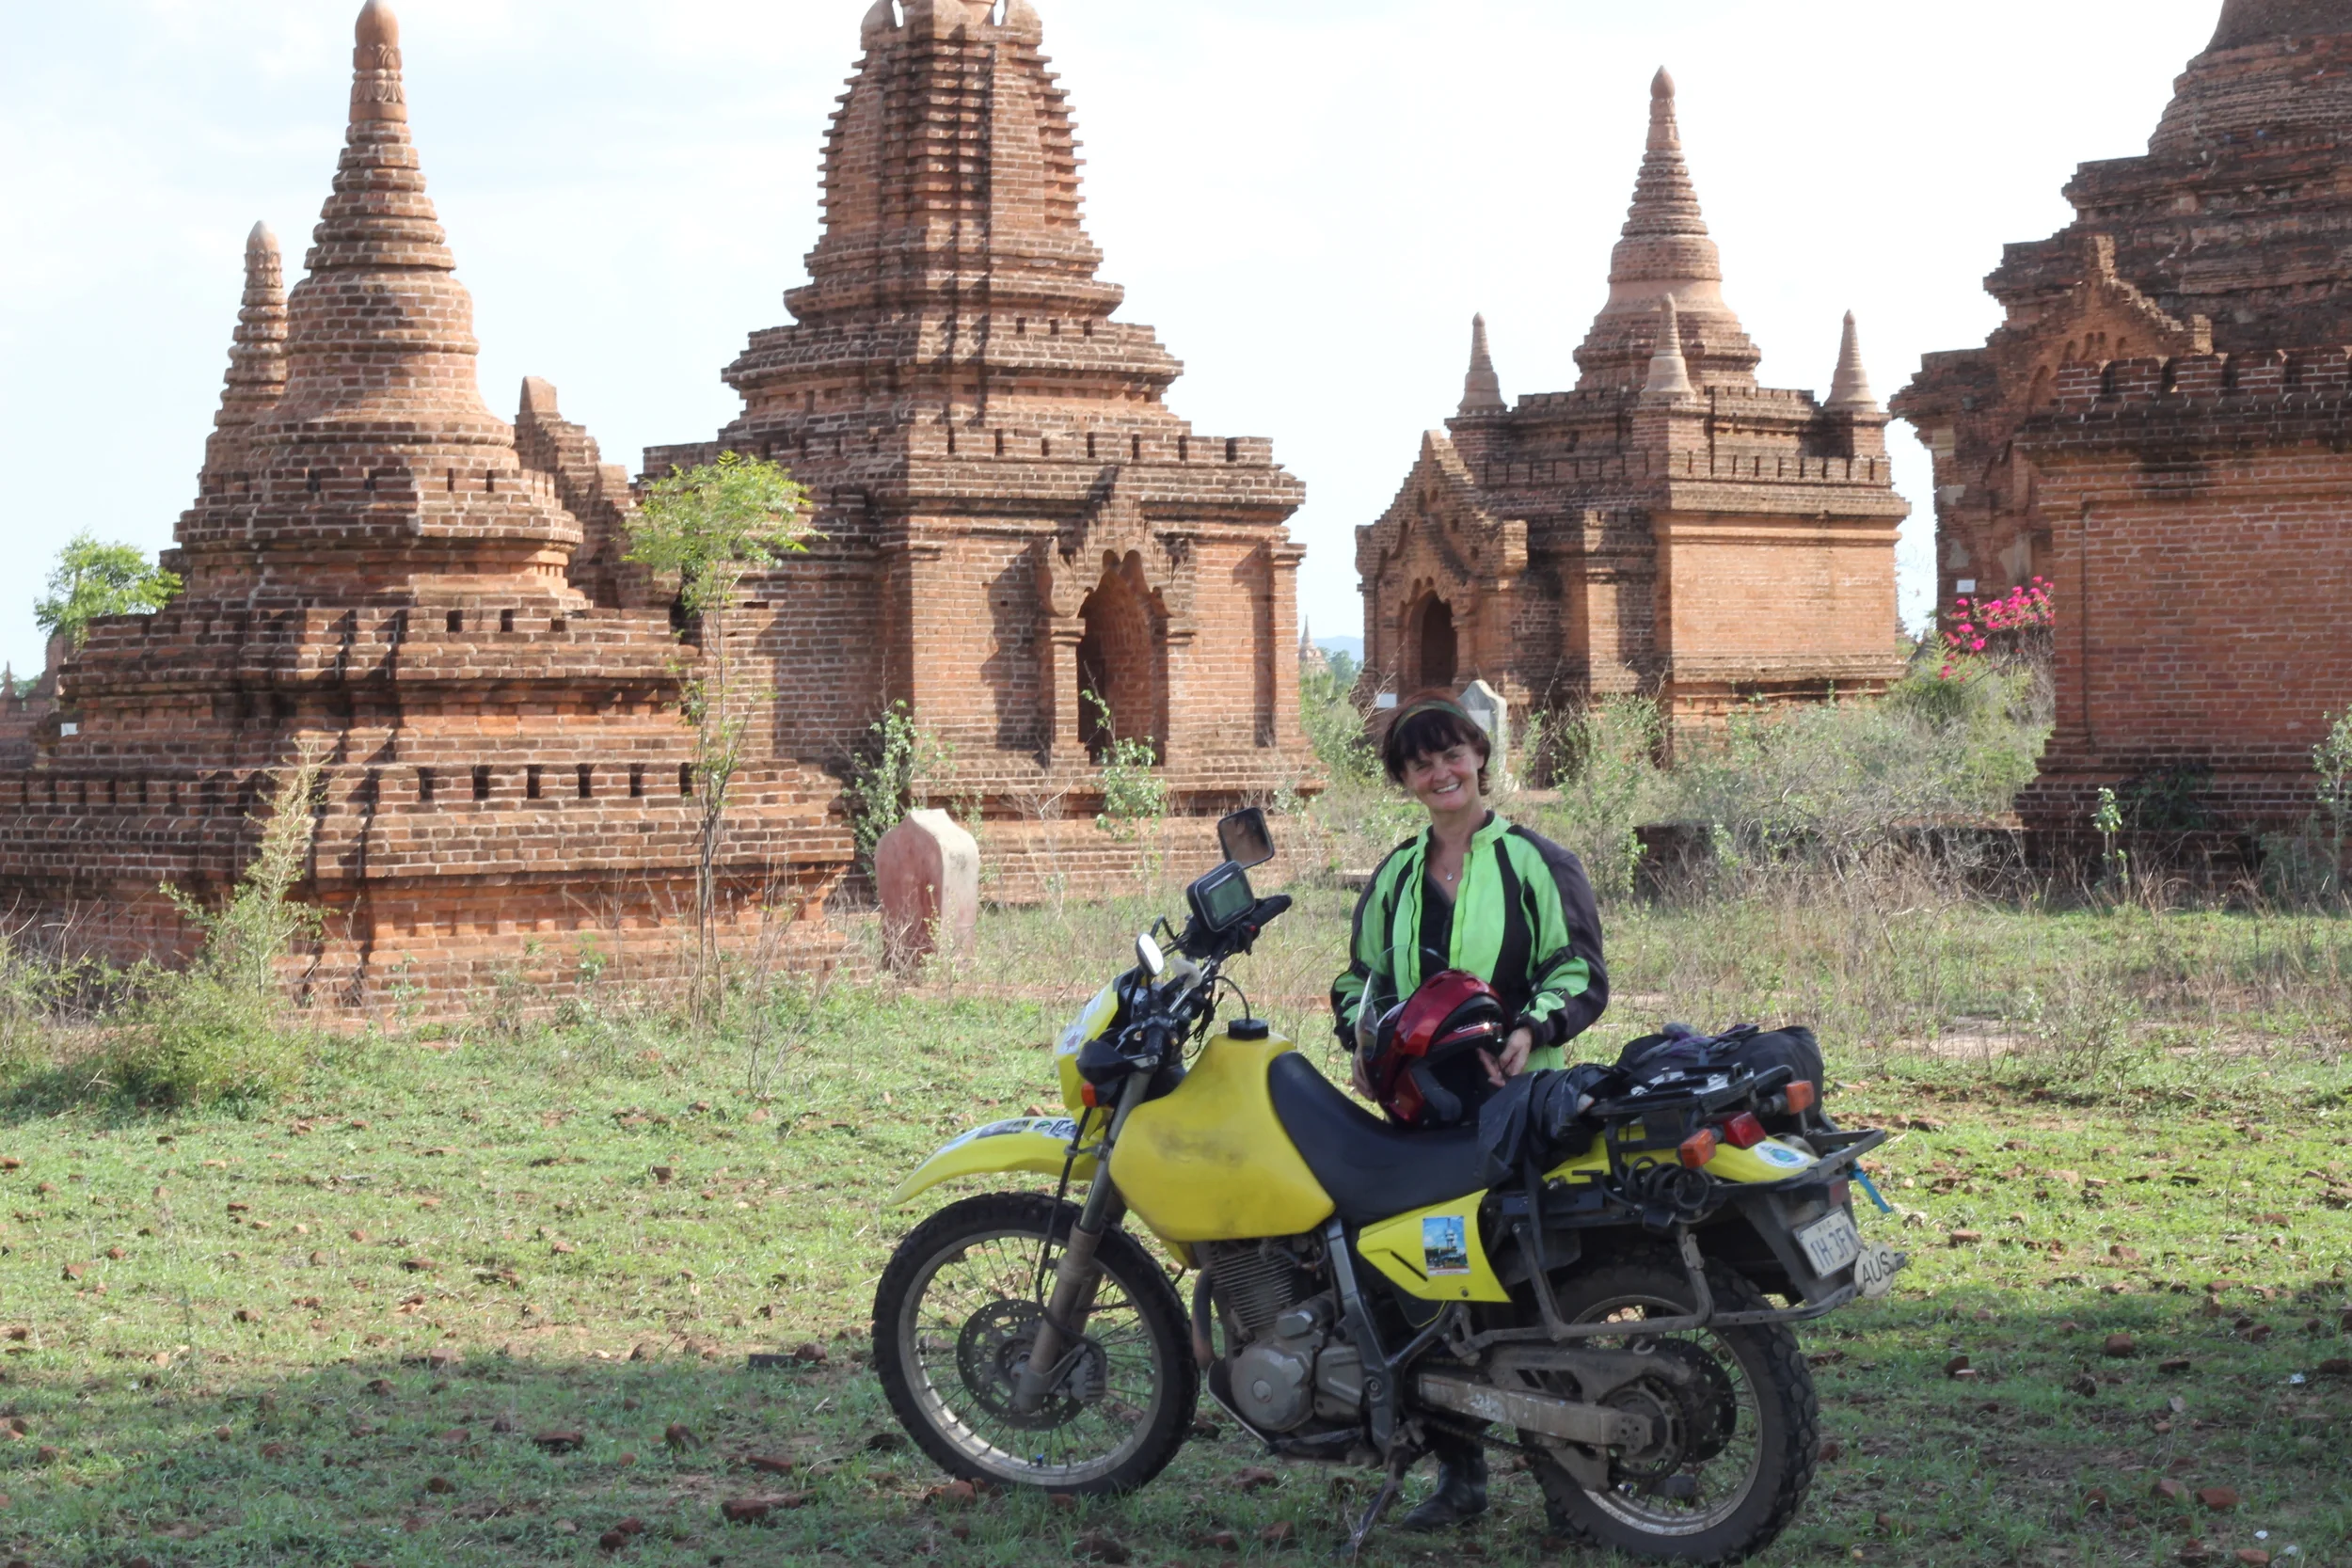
x=1850, y=389
x=1482, y=390
x=257, y=357
x=1669, y=373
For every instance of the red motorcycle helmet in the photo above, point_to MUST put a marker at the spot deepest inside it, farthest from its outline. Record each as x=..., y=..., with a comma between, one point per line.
x=1424, y=1065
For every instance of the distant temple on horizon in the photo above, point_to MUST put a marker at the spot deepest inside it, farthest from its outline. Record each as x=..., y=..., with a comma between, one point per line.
x=2163, y=428
x=1668, y=528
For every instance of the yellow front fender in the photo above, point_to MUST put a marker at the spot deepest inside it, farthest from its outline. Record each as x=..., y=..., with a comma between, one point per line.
x=1040, y=1144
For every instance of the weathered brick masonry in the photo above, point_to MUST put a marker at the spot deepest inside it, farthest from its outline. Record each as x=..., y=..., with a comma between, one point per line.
x=1012, y=516
x=375, y=572
x=2162, y=426
x=1668, y=528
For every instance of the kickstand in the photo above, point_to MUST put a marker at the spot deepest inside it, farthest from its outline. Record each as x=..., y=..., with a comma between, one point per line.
x=1398, y=1469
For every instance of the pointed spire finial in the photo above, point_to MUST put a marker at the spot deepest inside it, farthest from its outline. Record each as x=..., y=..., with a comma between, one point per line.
x=1669, y=373
x=1850, y=387
x=1482, y=390
x=376, y=92
x=1666, y=135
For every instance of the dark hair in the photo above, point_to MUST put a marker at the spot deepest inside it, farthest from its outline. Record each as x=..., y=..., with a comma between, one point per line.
x=1426, y=724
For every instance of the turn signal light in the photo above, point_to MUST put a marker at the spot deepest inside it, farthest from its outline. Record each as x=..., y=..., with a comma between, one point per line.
x=1085, y=1096
x=1801, y=1096
x=1744, y=1130
x=1699, y=1148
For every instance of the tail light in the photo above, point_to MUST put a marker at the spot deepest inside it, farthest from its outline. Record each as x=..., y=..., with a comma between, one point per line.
x=1698, y=1147
x=1840, y=1194
x=1744, y=1130
x=1801, y=1096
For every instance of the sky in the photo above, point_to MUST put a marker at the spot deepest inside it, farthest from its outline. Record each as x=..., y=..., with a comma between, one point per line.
x=1309, y=198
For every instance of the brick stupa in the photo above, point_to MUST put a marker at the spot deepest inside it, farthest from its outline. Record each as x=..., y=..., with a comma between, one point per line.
x=2160, y=427
x=377, y=573
x=1669, y=528
x=1012, y=516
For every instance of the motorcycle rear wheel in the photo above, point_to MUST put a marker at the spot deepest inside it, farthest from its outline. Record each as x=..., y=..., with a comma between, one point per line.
x=951, y=1317
x=1747, y=1480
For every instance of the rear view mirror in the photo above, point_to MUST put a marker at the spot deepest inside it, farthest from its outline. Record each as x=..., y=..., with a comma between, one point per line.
x=1246, y=838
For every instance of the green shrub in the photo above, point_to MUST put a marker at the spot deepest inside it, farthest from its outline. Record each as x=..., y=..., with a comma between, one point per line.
x=890, y=776
x=219, y=1029
x=1602, y=760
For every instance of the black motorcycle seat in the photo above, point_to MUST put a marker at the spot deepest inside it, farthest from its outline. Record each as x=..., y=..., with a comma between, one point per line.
x=1371, y=1171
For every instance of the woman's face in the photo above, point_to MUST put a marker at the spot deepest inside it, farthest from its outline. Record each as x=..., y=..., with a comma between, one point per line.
x=1446, y=782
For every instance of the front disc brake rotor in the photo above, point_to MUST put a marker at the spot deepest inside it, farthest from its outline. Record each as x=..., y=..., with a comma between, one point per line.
x=993, y=1350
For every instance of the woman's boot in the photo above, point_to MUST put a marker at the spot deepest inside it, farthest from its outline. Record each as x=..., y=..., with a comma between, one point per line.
x=1461, y=1494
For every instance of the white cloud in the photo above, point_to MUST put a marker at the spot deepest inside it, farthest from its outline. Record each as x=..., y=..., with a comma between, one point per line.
x=1307, y=198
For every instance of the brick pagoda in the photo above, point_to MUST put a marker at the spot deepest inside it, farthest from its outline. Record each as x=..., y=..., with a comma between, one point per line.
x=2162, y=426
x=1668, y=528
x=379, y=573
x=1012, y=516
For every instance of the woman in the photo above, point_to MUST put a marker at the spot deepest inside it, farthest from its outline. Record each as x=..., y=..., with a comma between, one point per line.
x=1473, y=892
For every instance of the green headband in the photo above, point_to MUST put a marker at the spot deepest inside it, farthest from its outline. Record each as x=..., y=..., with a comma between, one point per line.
x=1437, y=705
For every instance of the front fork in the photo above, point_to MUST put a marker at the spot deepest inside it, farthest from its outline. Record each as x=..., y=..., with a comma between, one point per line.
x=1061, y=1337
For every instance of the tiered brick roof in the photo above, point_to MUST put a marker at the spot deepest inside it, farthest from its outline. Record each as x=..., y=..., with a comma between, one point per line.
x=1666, y=252
x=377, y=576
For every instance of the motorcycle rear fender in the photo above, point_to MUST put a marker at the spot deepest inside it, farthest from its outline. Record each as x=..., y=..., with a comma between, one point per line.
x=1434, y=1253
x=1768, y=1163
x=1039, y=1144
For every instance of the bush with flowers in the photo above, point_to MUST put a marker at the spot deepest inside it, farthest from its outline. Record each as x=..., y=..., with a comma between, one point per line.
x=2015, y=626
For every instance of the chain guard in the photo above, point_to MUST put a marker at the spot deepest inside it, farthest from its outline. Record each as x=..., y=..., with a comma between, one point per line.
x=995, y=1346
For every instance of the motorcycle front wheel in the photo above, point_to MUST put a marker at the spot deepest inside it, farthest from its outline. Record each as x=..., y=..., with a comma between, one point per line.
x=1739, y=1440
x=955, y=1314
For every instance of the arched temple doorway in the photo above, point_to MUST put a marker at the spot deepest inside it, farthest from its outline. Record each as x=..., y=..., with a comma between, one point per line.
x=1119, y=662
x=1430, y=642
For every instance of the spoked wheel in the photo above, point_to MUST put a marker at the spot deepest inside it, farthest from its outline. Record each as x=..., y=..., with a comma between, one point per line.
x=955, y=1316
x=1734, y=1415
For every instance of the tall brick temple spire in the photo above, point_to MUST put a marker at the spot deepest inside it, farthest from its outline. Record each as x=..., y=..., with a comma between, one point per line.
x=379, y=472
x=1482, y=391
x=1665, y=251
x=1012, y=516
x=257, y=355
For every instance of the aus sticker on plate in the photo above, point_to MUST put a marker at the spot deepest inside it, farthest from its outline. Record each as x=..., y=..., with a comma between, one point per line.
x=1875, y=1269
x=1444, y=1245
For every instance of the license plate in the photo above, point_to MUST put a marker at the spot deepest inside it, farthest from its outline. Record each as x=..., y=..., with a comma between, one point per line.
x=1830, y=1244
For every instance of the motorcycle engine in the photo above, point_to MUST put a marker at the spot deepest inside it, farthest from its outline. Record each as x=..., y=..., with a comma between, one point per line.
x=1288, y=1370
x=1274, y=1377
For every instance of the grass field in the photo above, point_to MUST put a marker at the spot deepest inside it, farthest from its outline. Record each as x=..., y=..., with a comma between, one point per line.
x=334, y=1331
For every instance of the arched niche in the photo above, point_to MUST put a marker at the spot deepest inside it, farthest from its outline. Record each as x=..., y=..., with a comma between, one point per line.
x=1123, y=660
x=1432, y=643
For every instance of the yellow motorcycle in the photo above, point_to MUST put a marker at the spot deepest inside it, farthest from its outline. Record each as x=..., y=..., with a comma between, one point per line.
x=1602, y=1307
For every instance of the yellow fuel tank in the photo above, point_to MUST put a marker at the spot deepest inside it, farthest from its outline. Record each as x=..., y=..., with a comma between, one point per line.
x=1211, y=1162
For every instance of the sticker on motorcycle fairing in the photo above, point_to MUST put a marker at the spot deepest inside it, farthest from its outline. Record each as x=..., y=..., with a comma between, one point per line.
x=1444, y=1245
x=1781, y=1154
x=1052, y=1127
